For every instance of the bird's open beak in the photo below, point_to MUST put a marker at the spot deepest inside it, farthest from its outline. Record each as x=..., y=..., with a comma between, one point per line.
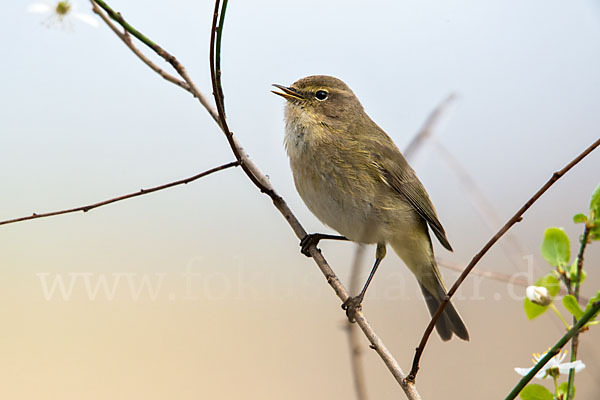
x=288, y=93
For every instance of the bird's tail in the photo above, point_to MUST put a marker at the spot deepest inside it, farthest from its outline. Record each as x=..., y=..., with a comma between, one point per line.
x=417, y=254
x=449, y=322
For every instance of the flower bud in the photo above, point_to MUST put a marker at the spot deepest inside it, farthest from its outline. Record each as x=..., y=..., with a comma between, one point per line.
x=538, y=295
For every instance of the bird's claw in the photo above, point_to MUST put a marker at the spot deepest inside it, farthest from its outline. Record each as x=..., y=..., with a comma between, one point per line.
x=307, y=241
x=351, y=306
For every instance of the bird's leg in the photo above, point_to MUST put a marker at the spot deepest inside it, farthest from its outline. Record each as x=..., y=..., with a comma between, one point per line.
x=314, y=238
x=354, y=303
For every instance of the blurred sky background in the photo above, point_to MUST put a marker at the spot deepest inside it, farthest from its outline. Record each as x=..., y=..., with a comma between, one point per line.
x=82, y=119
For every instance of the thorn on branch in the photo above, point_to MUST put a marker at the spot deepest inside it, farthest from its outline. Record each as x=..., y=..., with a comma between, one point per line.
x=556, y=175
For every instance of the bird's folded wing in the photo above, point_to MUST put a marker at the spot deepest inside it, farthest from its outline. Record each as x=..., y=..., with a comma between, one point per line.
x=401, y=177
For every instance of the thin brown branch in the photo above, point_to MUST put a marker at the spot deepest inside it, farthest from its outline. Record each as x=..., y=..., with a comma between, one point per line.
x=123, y=197
x=493, y=275
x=482, y=205
x=478, y=199
x=356, y=353
x=427, y=128
x=117, y=17
x=512, y=221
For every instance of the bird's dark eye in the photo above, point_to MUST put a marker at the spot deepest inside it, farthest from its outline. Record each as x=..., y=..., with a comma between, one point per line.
x=321, y=95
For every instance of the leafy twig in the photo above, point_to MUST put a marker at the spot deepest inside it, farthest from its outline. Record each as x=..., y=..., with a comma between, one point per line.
x=577, y=284
x=515, y=218
x=554, y=350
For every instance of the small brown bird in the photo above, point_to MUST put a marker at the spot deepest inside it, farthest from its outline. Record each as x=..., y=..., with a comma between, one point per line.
x=354, y=179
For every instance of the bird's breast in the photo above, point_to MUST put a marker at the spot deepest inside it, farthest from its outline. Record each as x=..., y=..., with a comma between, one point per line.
x=333, y=186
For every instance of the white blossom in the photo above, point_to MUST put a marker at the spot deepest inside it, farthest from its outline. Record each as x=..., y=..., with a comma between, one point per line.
x=60, y=13
x=538, y=295
x=554, y=364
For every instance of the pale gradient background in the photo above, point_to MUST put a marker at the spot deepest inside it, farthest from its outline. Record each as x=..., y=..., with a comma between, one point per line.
x=82, y=120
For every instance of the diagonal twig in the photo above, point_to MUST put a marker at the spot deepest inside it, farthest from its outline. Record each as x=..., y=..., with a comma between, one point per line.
x=484, y=207
x=124, y=36
x=141, y=192
x=494, y=276
x=427, y=128
x=162, y=53
x=515, y=218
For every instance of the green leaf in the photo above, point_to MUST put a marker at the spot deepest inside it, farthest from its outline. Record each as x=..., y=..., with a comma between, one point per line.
x=595, y=203
x=550, y=282
x=562, y=390
x=594, y=224
x=533, y=310
x=570, y=303
x=535, y=392
x=573, y=272
x=595, y=231
x=556, y=247
x=579, y=218
x=591, y=302
x=583, y=276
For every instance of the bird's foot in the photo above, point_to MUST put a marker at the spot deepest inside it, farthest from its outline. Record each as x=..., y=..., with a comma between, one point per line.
x=314, y=239
x=309, y=240
x=351, y=306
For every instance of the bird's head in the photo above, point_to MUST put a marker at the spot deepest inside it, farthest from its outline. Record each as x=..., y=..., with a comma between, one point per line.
x=321, y=98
